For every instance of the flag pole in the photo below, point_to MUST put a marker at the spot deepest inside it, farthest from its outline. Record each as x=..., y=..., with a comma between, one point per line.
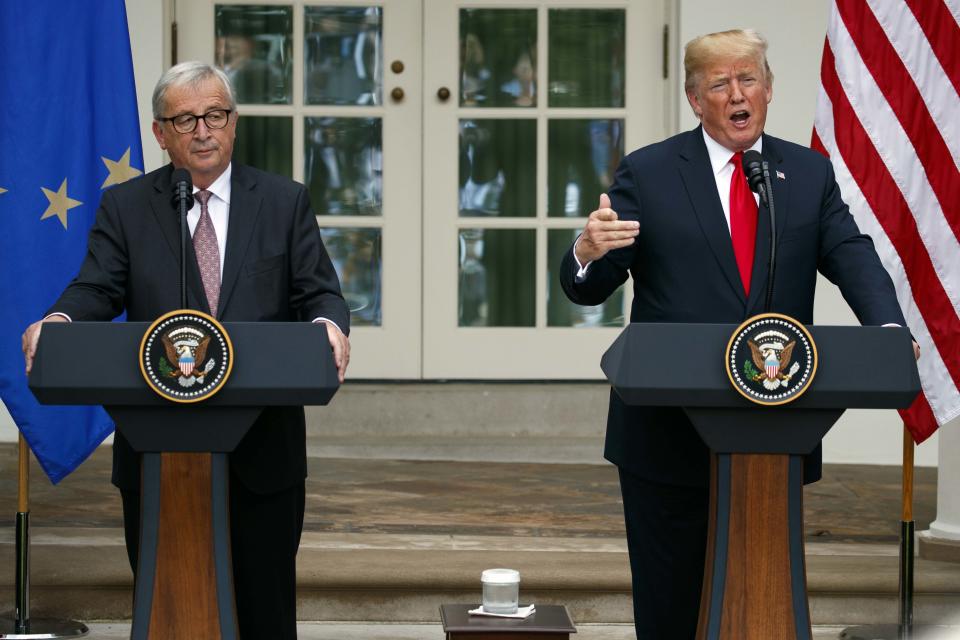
x=907, y=540
x=22, y=627
x=905, y=630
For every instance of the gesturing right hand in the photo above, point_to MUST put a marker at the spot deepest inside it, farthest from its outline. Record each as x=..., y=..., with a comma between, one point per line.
x=604, y=232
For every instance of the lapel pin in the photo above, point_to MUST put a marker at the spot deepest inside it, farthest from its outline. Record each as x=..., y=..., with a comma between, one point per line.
x=781, y=176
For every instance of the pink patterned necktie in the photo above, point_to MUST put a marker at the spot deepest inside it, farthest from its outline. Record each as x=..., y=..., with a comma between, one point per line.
x=207, y=251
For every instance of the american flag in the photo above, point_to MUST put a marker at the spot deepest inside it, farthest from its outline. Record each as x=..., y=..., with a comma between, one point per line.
x=888, y=116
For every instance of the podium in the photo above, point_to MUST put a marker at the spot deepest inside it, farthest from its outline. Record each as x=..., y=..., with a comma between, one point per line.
x=184, y=585
x=754, y=585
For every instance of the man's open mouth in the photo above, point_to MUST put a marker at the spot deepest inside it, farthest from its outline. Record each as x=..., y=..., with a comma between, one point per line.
x=740, y=117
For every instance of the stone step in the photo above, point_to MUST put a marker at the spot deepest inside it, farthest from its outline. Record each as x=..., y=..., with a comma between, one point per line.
x=499, y=448
x=487, y=409
x=396, y=631
x=384, y=578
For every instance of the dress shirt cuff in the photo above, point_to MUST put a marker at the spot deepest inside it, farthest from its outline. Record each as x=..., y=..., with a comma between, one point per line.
x=890, y=324
x=328, y=320
x=581, y=268
x=57, y=313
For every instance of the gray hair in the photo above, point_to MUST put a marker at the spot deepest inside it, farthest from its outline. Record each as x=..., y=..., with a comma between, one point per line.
x=192, y=73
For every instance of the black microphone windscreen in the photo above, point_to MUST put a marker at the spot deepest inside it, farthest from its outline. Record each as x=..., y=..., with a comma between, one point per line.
x=181, y=175
x=182, y=185
x=753, y=169
x=751, y=157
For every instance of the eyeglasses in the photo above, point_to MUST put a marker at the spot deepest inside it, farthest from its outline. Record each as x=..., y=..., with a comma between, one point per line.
x=187, y=122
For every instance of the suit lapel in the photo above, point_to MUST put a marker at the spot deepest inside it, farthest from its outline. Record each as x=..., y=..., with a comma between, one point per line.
x=245, y=204
x=169, y=223
x=781, y=197
x=701, y=186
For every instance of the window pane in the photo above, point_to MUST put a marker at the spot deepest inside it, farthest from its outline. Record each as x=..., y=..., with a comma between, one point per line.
x=356, y=255
x=343, y=53
x=560, y=311
x=498, y=57
x=265, y=143
x=582, y=158
x=254, y=44
x=586, y=57
x=498, y=168
x=496, y=278
x=343, y=165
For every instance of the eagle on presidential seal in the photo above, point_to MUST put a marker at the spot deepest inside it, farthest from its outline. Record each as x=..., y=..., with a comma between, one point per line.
x=772, y=359
x=186, y=351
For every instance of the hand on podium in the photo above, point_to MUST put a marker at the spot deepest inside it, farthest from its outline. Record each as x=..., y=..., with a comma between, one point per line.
x=32, y=335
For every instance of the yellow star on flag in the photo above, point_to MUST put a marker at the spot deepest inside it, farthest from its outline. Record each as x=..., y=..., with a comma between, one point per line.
x=120, y=170
x=2, y=190
x=60, y=203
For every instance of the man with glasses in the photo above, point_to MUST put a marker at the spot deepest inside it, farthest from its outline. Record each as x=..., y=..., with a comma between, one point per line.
x=259, y=257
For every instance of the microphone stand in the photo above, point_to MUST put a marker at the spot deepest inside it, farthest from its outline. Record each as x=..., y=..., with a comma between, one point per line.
x=184, y=202
x=766, y=194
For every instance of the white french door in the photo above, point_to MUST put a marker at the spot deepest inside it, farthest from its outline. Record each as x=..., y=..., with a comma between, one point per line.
x=330, y=95
x=525, y=129
x=452, y=149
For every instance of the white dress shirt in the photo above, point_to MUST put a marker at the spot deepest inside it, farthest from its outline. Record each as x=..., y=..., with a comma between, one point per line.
x=218, y=206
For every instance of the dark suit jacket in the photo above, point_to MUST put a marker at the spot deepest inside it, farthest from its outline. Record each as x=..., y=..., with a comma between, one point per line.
x=275, y=269
x=683, y=270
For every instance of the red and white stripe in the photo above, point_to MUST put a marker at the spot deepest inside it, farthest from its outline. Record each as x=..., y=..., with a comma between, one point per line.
x=888, y=116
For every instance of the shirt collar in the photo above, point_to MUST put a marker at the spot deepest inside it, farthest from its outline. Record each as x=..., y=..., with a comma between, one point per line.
x=720, y=155
x=221, y=186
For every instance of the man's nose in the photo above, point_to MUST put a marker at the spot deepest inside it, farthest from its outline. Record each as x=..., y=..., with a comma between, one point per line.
x=736, y=95
x=201, y=131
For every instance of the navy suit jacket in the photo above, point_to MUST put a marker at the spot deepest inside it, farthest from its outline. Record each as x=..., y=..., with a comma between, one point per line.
x=275, y=270
x=683, y=270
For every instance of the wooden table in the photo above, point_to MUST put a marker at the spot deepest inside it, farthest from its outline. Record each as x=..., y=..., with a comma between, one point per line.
x=548, y=622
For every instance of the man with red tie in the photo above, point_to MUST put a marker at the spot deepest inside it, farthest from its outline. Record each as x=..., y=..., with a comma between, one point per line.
x=681, y=220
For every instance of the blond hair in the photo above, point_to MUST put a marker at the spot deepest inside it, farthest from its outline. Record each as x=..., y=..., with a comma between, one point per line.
x=734, y=44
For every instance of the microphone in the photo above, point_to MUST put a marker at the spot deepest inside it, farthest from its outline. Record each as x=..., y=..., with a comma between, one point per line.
x=758, y=177
x=753, y=170
x=182, y=202
x=182, y=185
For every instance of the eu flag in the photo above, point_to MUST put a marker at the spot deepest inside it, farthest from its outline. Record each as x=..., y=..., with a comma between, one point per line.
x=68, y=130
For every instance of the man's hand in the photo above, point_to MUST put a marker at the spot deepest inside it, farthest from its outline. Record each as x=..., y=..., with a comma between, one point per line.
x=604, y=232
x=916, y=350
x=32, y=335
x=341, y=349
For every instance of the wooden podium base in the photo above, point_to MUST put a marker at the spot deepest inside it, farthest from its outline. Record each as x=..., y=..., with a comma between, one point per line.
x=184, y=583
x=754, y=585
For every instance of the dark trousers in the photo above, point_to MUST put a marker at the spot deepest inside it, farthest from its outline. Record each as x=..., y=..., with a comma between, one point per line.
x=667, y=539
x=264, y=537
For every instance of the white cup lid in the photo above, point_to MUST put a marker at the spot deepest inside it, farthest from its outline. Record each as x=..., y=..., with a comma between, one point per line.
x=500, y=575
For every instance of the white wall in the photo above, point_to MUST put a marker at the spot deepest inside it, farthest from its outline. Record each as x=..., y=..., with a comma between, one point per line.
x=795, y=31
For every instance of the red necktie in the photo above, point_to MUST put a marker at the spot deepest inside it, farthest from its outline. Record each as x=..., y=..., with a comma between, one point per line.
x=743, y=220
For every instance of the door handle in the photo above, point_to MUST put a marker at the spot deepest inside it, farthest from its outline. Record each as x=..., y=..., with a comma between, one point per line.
x=443, y=94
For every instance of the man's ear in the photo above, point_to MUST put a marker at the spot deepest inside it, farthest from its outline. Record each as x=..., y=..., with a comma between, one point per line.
x=694, y=104
x=158, y=134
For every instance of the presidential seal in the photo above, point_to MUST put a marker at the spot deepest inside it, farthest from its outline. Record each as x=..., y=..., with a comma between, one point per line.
x=771, y=359
x=186, y=356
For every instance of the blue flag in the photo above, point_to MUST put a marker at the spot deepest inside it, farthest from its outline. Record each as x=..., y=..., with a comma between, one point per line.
x=68, y=130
